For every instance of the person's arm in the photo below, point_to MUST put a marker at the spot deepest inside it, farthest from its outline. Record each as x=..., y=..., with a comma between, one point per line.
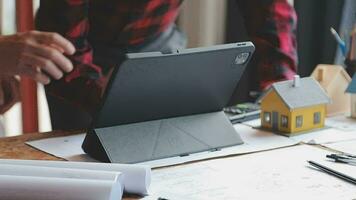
x=37, y=55
x=271, y=25
x=70, y=19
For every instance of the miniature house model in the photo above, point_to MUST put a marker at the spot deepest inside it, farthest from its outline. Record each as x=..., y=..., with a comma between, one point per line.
x=334, y=79
x=293, y=106
x=352, y=90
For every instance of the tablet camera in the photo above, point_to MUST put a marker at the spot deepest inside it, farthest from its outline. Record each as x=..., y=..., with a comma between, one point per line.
x=241, y=58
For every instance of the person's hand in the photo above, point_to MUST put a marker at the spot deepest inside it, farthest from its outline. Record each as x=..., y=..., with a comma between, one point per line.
x=35, y=54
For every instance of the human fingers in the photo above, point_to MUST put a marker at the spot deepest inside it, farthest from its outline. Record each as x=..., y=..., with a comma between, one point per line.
x=53, y=55
x=36, y=75
x=57, y=47
x=44, y=64
x=54, y=39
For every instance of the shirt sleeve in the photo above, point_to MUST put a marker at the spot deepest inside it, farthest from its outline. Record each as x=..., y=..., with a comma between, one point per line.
x=9, y=93
x=85, y=84
x=271, y=25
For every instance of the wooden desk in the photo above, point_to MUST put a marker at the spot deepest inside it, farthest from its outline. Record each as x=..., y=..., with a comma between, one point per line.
x=15, y=147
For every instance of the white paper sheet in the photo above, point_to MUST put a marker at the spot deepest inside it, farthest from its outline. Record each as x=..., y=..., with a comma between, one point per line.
x=254, y=140
x=345, y=146
x=278, y=174
x=68, y=147
x=341, y=122
x=137, y=178
x=324, y=136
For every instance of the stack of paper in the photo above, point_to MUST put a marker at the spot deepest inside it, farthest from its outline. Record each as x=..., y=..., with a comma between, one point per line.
x=42, y=180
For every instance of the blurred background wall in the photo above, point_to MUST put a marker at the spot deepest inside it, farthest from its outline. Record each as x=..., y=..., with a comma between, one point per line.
x=203, y=21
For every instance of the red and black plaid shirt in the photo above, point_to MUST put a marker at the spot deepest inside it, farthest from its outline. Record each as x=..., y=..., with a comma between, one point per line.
x=270, y=24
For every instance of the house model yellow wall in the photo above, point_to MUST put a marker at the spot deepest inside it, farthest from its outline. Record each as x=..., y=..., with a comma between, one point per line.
x=280, y=117
x=272, y=103
x=308, y=118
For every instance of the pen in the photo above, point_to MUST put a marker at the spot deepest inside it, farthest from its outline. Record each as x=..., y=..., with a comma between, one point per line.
x=350, y=162
x=340, y=42
x=333, y=172
x=343, y=158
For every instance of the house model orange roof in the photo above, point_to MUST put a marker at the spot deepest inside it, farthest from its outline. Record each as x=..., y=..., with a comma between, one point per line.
x=334, y=79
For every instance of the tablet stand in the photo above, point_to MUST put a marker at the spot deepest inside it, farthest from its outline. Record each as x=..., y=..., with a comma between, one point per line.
x=144, y=141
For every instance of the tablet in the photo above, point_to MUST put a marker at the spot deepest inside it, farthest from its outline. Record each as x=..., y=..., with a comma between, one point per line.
x=161, y=105
x=150, y=86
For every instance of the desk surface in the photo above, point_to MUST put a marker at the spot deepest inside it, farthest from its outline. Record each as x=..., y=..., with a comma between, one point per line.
x=15, y=147
x=218, y=170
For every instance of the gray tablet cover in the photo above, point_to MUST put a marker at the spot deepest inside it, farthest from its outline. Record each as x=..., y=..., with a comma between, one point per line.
x=162, y=105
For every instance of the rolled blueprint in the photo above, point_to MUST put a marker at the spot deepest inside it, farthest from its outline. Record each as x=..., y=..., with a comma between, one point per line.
x=48, y=183
x=136, y=178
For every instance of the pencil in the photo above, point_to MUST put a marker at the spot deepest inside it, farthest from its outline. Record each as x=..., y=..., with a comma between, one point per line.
x=333, y=172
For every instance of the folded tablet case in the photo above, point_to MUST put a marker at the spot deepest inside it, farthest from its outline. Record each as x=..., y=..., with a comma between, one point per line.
x=162, y=105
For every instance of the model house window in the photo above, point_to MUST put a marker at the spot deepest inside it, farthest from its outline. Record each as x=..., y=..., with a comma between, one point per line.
x=299, y=121
x=267, y=117
x=284, y=121
x=317, y=116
